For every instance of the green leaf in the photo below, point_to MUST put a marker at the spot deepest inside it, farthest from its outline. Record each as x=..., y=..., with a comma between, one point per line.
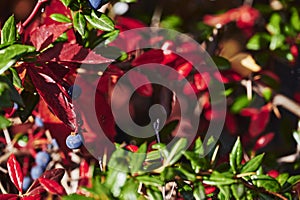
x=137, y=159
x=9, y=55
x=116, y=180
x=154, y=193
x=196, y=162
x=150, y=180
x=30, y=101
x=185, y=174
x=240, y=103
x=176, y=151
x=224, y=192
x=5, y=64
x=60, y=18
x=218, y=179
x=267, y=94
x=258, y=41
x=77, y=197
x=276, y=42
x=199, y=192
x=295, y=19
x=253, y=164
x=13, y=93
x=100, y=21
x=236, y=156
x=66, y=2
x=4, y=123
x=274, y=25
x=198, y=149
x=5, y=95
x=16, y=79
x=79, y=23
x=172, y=22
x=129, y=191
x=294, y=179
x=221, y=62
x=110, y=36
x=153, y=155
x=238, y=190
x=282, y=178
x=9, y=31
x=186, y=191
x=267, y=182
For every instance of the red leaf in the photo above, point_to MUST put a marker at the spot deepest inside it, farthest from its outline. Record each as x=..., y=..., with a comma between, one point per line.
x=83, y=173
x=263, y=141
x=231, y=123
x=126, y=23
x=15, y=172
x=8, y=196
x=259, y=121
x=53, y=174
x=184, y=69
x=245, y=17
x=248, y=112
x=52, y=186
x=53, y=94
x=43, y=36
x=84, y=169
x=151, y=56
x=135, y=78
x=32, y=197
x=132, y=148
x=201, y=80
x=67, y=52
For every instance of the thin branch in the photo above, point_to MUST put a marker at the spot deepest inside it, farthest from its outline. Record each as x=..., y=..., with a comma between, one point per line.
x=34, y=12
x=155, y=21
x=278, y=99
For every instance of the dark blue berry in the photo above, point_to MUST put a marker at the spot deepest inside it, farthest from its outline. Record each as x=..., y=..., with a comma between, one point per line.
x=36, y=172
x=26, y=183
x=42, y=159
x=96, y=4
x=74, y=141
x=74, y=91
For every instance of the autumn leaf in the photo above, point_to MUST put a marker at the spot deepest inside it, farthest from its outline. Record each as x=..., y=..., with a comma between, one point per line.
x=53, y=94
x=15, y=172
x=43, y=36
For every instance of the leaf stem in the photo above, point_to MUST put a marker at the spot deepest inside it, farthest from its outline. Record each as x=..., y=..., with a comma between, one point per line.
x=34, y=12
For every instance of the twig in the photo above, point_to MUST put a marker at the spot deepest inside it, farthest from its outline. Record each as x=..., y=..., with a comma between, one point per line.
x=278, y=99
x=7, y=139
x=248, y=2
x=2, y=189
x=34, y=12
x=262, y=190
x=172, y=190
x=156, y=130
x=155, y=21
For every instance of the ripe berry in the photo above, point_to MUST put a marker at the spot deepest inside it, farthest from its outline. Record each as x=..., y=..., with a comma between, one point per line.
x=36, y=172
x=74, y=91
x=42, y=159
x=96, y=4
x=26, y=183
x=74, y=141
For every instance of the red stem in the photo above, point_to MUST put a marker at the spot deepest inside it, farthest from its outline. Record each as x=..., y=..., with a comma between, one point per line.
x=34, y=12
